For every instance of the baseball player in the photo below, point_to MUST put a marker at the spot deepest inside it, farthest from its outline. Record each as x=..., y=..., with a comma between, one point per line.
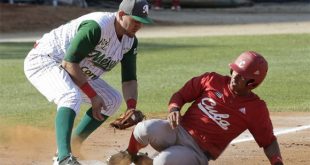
x=65, y=65
x=222, y=108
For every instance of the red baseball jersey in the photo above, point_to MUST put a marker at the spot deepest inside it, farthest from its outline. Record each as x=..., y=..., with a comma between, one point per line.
x=217, y=115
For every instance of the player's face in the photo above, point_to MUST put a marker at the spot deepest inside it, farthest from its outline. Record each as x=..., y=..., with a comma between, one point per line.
x=131, y=26
x=238, y=84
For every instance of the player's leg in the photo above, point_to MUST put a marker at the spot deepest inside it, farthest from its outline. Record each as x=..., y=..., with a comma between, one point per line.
x=56, y=85
x=155, y=132
x=88, y=123
x=160, y=135
x=177, y=155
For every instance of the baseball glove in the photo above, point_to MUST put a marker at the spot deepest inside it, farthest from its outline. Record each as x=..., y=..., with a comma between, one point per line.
x=129, y=118
x=121, y=158
x=143, y=159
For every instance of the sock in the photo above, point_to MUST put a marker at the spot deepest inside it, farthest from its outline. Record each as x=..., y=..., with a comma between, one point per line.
x=64, y=124
x=87, y=125
x=134, y=146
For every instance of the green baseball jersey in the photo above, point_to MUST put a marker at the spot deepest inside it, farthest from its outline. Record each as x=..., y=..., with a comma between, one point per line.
x=91, y=41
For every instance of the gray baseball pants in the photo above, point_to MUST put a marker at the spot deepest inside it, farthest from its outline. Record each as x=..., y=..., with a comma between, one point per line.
x=175, y=146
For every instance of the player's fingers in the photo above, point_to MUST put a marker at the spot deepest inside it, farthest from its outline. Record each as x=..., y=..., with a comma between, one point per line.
x=170, y=120
x=99, y=115
x=173, y=120
x=177, y=120
x=94, y=114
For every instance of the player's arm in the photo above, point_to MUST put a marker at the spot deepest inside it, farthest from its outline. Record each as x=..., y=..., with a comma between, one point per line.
x=273, y=153
x=129, y=76
x=188, y=93
x=261, y=128
x=87, y=37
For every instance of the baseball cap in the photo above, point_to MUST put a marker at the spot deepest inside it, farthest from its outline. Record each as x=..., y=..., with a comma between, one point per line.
x=137, y=9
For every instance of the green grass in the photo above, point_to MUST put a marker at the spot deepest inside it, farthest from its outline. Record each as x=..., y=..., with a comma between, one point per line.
x=164, y=65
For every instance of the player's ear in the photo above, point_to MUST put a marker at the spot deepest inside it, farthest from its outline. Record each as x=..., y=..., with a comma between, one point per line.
x=121, y=13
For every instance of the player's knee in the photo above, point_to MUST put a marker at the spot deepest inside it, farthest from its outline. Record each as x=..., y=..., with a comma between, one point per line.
x=155, y=127
x=113, y=104
x=117, y=100
x=140, y=133
x=147, y=127
x=71, y=100
x=156, y=132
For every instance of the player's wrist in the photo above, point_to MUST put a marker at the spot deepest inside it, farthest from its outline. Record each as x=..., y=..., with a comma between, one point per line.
x=88, y=90
x=131, y=103
x=276, y=160
x=173, y=108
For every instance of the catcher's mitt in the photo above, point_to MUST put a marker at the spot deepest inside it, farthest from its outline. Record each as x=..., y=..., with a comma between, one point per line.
x=129, y=118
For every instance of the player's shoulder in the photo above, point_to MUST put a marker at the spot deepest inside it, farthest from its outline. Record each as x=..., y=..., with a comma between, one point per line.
x=213, y=76
x=255, y=102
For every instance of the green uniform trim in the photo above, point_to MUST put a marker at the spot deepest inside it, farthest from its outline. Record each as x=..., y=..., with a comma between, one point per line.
x=85, y=40
x=129, y=63
x=87, y=125
x=64, y=124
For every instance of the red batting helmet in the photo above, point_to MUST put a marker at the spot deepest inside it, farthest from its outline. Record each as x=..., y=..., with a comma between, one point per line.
x=251, y=65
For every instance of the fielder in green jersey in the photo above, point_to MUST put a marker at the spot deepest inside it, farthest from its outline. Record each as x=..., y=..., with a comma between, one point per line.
x=65, y=66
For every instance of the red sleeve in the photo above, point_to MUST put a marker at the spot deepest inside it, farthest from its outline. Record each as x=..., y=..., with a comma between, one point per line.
x=260, y=125
x=189, y=92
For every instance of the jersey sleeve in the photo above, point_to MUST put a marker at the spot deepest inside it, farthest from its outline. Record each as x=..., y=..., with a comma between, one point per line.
x=190, y=91
x=85, y=40
x=129, y=63
x=260, y=126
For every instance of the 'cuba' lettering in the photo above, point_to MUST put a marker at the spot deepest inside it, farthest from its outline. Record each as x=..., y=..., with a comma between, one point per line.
x=207, y=107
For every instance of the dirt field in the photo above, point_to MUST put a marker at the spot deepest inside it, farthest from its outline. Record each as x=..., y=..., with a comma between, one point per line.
x=32, y=146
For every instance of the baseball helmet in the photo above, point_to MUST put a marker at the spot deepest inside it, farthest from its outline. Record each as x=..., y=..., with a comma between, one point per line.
x=251, y=65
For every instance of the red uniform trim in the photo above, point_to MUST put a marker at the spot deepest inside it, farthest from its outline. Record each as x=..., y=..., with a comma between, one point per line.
x=131, y=103
x=88, y=90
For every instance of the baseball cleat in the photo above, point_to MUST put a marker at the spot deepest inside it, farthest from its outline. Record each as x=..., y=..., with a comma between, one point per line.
x=69, y=160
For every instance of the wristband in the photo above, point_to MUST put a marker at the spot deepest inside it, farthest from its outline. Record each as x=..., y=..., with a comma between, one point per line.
x=131, y=103
x=173, y=108
x=88, y=90
x=275, y=159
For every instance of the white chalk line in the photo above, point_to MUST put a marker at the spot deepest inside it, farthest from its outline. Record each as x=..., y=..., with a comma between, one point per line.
x=285, y=131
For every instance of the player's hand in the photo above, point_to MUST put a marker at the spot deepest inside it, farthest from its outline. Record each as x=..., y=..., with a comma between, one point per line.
x=97, y=105
x=174, y=119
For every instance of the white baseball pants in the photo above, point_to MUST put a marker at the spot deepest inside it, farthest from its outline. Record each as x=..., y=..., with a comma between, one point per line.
x=56, y=85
